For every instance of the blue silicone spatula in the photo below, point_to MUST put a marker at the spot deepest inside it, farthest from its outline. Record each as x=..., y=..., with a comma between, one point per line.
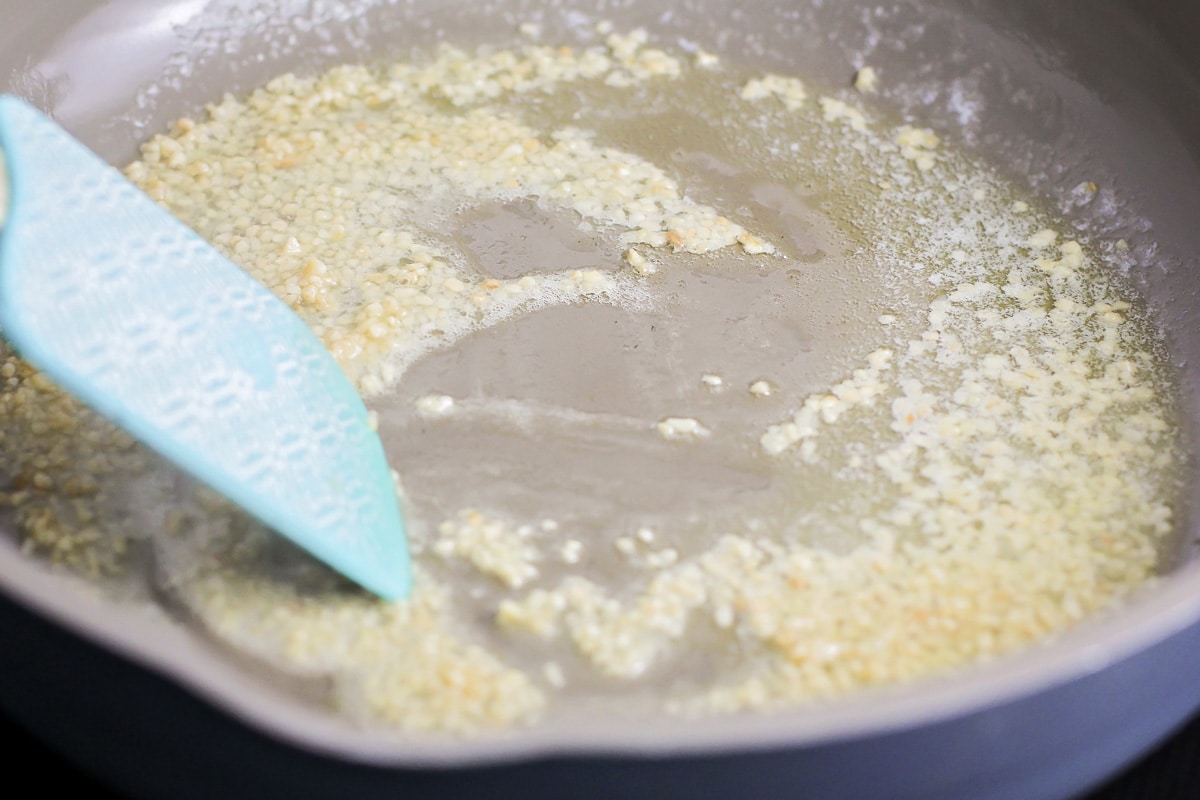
x=138, y=317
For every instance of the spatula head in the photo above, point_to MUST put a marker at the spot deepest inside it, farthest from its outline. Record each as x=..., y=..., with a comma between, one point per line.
x=138, y=317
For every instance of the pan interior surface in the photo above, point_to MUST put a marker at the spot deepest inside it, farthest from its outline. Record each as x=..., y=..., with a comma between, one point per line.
x=1012, y=84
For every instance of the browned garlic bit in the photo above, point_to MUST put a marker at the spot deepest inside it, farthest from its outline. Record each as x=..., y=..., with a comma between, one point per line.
x=994, y=463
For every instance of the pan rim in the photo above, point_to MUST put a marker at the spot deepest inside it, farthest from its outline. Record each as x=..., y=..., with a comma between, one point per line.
x=146, y=637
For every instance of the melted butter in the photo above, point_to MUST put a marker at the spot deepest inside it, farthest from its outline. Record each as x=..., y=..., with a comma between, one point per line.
x=972, y=441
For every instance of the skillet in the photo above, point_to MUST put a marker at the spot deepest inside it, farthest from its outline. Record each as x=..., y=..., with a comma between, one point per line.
x=1068, y=92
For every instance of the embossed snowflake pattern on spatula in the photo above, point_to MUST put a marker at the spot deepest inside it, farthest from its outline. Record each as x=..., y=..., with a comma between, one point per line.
x=137, y=316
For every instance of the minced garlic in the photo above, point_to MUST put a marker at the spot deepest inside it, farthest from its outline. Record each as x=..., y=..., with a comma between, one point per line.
x=761, y=388
x=789, y=90
x=917, y=145
x=866, y=80
x=681, y=429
